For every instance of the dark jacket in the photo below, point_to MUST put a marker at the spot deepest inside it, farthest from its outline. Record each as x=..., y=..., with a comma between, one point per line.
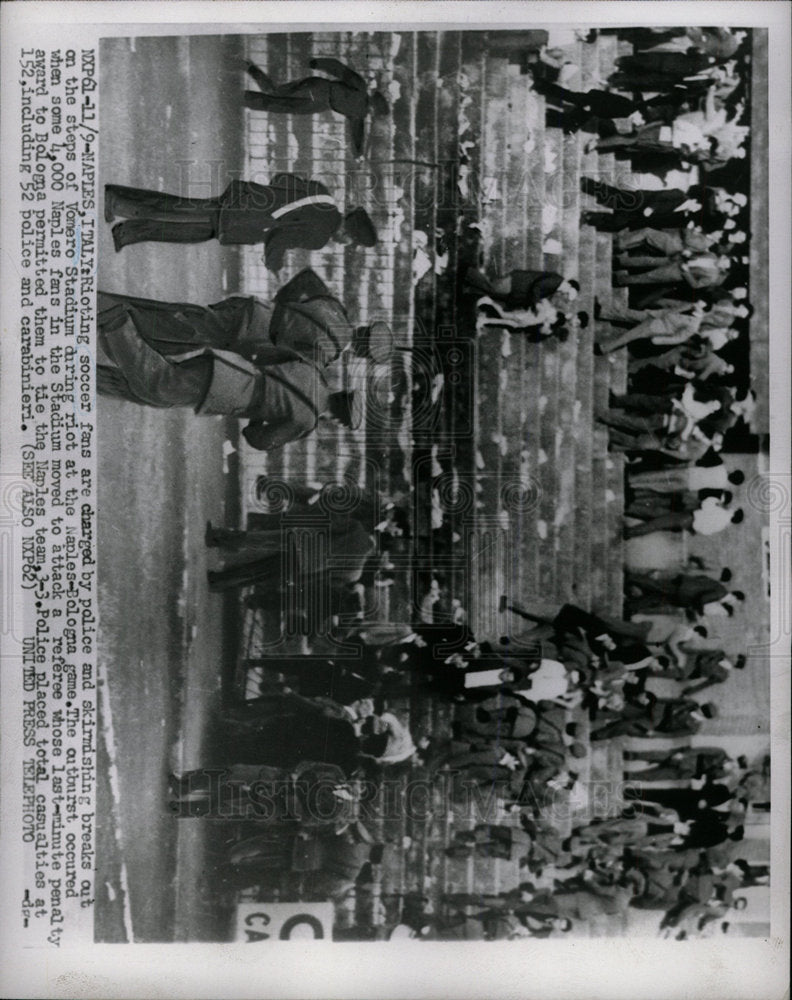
x=256, y=213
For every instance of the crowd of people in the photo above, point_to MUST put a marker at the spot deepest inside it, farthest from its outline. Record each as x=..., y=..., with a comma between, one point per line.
x=677, y=104
x=525, y=712
x=299, y=764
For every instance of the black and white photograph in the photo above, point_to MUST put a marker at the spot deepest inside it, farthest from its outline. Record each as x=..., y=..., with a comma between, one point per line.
x=433, y=409
x=395, y=500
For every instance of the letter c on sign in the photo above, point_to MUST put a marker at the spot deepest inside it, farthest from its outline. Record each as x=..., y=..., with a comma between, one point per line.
x=254, y=935
x=301, y=918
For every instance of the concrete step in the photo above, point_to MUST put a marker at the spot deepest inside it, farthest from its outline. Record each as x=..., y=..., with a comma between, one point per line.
x=516, y=176
x=401, y=212
x=492, y=179
x=607, y=52
x=565, y=519
x=588, y=60
x=549, y=429
x=534, y=166
x=551, y=211
x=615, y=487
x=599, y=523
x=447, y=217
x=570, y=206
x=426, y=178
x=525, y=575
x=584, y=433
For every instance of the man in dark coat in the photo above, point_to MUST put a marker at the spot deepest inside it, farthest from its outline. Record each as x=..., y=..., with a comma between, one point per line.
x=285, y=731
x=490, y=840
x=347, y=95
x=572, y=110
x=682, y=716
x=521, y=289
x=690, y=803
x=679, y=765
x=663, y=69
x=635, y=719
x=664, y=209
x=346, y=547
x=707, y=668
x=287, y=213
x=684, y=590
x=218, y=360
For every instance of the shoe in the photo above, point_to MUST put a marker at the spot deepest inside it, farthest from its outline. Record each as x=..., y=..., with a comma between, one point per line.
x=117, y=233
x=109, y=213
x=176, y=784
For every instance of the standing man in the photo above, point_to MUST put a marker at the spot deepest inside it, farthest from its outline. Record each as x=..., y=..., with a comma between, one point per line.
x=287, y=213
x=170, y=354
x=708, y=519
x=260, y=553
x=685, y=764
x=347, y=95
x=690, y=591
x=708, y=667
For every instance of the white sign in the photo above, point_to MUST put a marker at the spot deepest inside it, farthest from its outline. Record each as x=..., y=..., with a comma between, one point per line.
x=284, y=921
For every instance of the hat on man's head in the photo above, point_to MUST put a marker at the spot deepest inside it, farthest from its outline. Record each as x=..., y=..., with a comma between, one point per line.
x=360, y=228
x=373, y=341
x=341, y=407
x=379, y=106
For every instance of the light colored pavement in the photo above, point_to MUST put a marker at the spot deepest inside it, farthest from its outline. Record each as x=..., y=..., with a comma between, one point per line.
x=171, y=119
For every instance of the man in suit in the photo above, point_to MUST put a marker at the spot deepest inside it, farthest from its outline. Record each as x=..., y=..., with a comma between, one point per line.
x=286, y=213
x=348, y=546
x=682, y=716
x=219, y=360
x=709, y=474
x=708, y=667
x=704, y=270
x=347, y=95
x=684, y=590
x=632, y=209
x=663, y=69
x=708, y=519
x=680, y=765
x=675, y=239
x=489, y=840
x=286, y=730
x=522, y=289
x=660, y=326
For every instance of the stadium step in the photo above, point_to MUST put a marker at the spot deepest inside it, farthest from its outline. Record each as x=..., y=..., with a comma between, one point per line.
x=466, y=152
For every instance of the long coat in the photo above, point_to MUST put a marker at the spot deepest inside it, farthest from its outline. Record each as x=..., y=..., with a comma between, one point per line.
x=286, y=213
x=276, y=366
